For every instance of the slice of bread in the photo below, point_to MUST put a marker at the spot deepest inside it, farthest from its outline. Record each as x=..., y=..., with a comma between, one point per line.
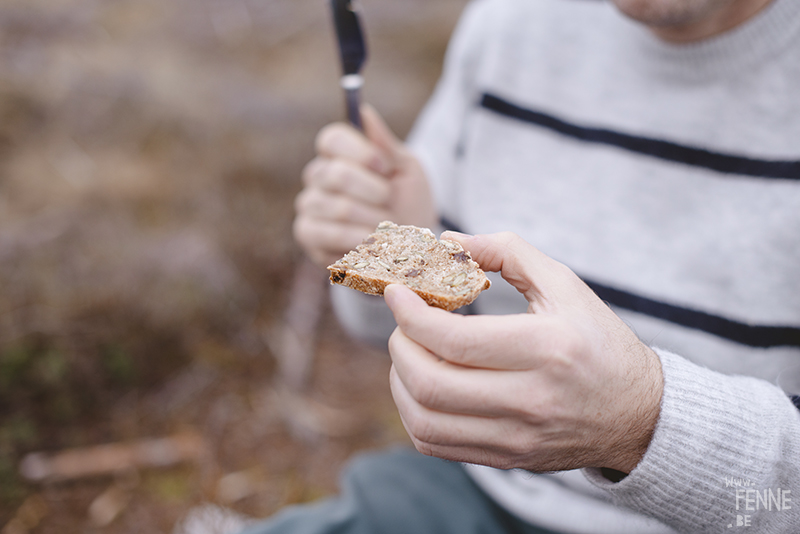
x=441, y=272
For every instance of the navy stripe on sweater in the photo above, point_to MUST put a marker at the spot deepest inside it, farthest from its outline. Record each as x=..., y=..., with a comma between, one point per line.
x=759, y=336
x=657, y=148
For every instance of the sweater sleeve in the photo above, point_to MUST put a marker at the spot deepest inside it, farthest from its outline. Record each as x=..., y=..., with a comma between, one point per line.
x=725, y=454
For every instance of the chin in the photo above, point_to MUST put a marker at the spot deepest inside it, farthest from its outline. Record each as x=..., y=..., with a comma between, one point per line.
x=663, y=13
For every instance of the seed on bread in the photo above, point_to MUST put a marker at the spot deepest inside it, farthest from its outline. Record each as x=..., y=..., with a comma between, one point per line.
x=455, y=279
x=441, y=272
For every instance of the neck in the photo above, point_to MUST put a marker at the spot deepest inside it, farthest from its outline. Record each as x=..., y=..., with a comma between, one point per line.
x=717, y=21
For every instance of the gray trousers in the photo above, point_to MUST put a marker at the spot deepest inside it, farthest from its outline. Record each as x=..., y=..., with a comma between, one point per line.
x=399, y=492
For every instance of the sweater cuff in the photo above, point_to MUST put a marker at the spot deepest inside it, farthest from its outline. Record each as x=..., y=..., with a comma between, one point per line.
x=714, y=433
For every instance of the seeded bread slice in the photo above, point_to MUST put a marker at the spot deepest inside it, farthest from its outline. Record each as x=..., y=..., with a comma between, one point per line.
x=441, y=272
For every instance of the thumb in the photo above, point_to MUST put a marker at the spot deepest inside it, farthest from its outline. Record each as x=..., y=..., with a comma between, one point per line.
x=377, y=131
x=521, y=264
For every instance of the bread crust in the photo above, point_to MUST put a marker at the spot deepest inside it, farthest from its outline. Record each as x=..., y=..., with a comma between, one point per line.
x=442, y=273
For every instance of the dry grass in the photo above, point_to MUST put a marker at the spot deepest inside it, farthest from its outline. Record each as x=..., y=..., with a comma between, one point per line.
x=149, y=154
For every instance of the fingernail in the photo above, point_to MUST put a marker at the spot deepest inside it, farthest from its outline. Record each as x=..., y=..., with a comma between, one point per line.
x=452, y=234
x=389, y=294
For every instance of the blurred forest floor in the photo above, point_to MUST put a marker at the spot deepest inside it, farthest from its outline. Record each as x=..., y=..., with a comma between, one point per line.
x=150, y=151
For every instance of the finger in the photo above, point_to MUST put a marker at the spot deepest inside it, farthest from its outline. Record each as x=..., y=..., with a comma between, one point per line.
x=521, y=264
x=511, y=342
x=379, y=132
x=347, y=178
x=342, y=141
x=442, y=386
x=459, y=437
x=324, y=206
x=326, y=242
x=465, y=455
x=434, y=426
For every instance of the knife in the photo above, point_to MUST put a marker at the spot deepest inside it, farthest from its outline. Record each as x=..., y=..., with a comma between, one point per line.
x=353, y=51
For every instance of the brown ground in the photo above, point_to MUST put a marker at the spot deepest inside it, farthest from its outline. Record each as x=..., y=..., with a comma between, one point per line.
x=149, y=154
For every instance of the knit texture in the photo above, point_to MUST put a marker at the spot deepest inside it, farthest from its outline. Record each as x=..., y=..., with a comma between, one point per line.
x=690, y=479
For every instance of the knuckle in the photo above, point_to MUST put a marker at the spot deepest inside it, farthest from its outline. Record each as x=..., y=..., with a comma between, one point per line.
x=422, y=430
x=539, y=409
x=300, y=230
x=518, y=447
x=423, y=448
x=310, y=209
x=310, y=170
x=337, y=209
x=346, y=209
x=303, y=201
x=401, y=317
x=337, y=175
x=393, y=341
x=329, y=137
x=454, y=344
x=502, y=462
x=577, y=346
x=509, y=238
x=565, y=272
x=571, y=346
x=424, y=389
x=562, y=344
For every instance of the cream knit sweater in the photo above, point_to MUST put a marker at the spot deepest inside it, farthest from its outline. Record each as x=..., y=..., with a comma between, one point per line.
x=668, y=177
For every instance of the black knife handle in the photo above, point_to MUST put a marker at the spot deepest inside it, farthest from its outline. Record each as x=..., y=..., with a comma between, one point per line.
x=352, y=91
x=353, y=97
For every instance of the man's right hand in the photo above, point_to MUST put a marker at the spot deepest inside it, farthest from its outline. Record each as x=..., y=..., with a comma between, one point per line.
x=355, y=182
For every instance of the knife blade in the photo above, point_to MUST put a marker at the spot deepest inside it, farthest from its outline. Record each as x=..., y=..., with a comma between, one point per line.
x=353, y=53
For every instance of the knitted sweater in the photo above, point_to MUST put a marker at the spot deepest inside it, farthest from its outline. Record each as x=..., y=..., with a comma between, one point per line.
x=668, y=178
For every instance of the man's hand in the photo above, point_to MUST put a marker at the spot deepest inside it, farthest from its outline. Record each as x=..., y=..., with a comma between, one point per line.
x=565, y=386
x=355, y=182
